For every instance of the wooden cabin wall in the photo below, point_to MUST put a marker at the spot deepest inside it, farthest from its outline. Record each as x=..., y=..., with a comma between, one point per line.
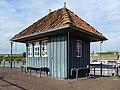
x=57, y=57
x=77, y=62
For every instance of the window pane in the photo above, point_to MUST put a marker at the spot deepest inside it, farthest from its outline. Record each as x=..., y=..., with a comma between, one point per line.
x=44, y=51
x=78, y=48
x=30, y=50
x=36, y=49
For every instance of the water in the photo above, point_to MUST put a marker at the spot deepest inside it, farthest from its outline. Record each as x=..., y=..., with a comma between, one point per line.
x=105, y=71
x=16, y=64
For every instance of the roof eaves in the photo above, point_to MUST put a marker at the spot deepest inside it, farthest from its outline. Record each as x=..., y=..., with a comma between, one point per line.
x=102, y=38
x=43, y=32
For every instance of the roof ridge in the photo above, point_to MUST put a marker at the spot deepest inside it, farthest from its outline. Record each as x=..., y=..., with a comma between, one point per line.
x=66, y=16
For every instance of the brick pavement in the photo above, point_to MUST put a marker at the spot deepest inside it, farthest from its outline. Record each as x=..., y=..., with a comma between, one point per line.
x=15, y=80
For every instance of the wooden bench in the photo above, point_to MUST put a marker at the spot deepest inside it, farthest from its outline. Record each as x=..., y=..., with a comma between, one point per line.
x=77, y=71
x=40, y=69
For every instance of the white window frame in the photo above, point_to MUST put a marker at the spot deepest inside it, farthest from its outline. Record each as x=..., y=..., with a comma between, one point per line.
x=79, y=48
x=30, y=50
x=44, y=48
x=36, y=49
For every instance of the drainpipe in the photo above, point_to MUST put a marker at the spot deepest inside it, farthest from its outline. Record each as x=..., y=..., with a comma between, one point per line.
x=68, y=54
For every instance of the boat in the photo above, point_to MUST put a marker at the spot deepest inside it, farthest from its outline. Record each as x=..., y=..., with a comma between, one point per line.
x=105, y=63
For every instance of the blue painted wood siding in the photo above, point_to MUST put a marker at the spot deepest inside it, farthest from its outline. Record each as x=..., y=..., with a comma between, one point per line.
x=57, y=57
x=77, y=62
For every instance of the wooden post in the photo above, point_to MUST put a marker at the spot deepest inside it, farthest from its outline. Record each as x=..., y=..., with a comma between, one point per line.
x=40, y=72
x=101, y=69
x=116, y=70
x=87, y=71
x=22, y=69
x=94, y=71
x=4, y=63
x=30, y=70
x=14, y=63
x=77, y=74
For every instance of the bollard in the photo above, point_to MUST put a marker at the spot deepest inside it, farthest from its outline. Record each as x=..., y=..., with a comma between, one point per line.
x=101, y=69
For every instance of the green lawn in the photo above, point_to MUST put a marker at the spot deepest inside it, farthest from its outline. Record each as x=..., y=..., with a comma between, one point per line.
x=107, y=53
x=14, y=57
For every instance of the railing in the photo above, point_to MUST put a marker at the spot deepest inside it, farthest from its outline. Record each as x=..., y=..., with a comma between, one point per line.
x=105, y=70
x=15, y=63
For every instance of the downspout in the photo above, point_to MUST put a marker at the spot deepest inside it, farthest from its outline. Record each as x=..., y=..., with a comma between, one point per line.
x=68, y=55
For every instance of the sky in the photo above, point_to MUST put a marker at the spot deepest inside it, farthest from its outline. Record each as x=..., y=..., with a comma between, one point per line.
x=103, y=15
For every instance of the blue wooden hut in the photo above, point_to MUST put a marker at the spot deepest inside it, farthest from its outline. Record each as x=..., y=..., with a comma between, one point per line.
x=59, y=41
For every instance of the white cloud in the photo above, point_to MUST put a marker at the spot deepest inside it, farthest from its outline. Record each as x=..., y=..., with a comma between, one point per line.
x=16, y=15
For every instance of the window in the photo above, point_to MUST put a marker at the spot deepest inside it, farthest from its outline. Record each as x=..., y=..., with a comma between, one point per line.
x=44, y=48
x=30, y=50
x=36, y=49
x=79, y=48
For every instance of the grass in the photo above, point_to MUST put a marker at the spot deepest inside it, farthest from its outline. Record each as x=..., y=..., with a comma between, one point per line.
x=107, y=53
x=7, y=57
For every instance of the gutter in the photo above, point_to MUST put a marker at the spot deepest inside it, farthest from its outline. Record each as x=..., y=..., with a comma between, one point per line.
x=43, y=32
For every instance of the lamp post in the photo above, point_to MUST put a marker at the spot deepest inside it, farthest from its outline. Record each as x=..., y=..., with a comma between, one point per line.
x=11, y=44
x=100, y=57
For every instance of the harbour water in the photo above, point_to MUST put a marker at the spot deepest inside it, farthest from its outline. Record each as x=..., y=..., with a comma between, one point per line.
x=15, y=64
x=105, y=72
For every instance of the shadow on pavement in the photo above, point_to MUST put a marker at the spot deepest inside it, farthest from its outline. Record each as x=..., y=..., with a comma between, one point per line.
x=11, y=84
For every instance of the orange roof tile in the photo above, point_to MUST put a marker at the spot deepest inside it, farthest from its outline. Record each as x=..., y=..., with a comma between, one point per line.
x=55, y=19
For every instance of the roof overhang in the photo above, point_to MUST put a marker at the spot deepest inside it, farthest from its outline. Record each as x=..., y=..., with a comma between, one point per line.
x=60, y=30
x=45, y=33
x=85, y=34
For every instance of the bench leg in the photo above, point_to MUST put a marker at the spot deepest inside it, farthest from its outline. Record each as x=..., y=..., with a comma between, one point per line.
x=40, y=73
x=47, y=73
x=25, y=69
x=87, y=72
x=30, y=71
x=77, y=74
x=22, y=69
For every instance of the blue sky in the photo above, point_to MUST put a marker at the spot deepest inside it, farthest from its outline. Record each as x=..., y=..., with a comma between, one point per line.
x=16, y=15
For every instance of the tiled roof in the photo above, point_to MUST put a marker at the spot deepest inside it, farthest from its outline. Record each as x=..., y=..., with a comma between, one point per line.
x=55, y=19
